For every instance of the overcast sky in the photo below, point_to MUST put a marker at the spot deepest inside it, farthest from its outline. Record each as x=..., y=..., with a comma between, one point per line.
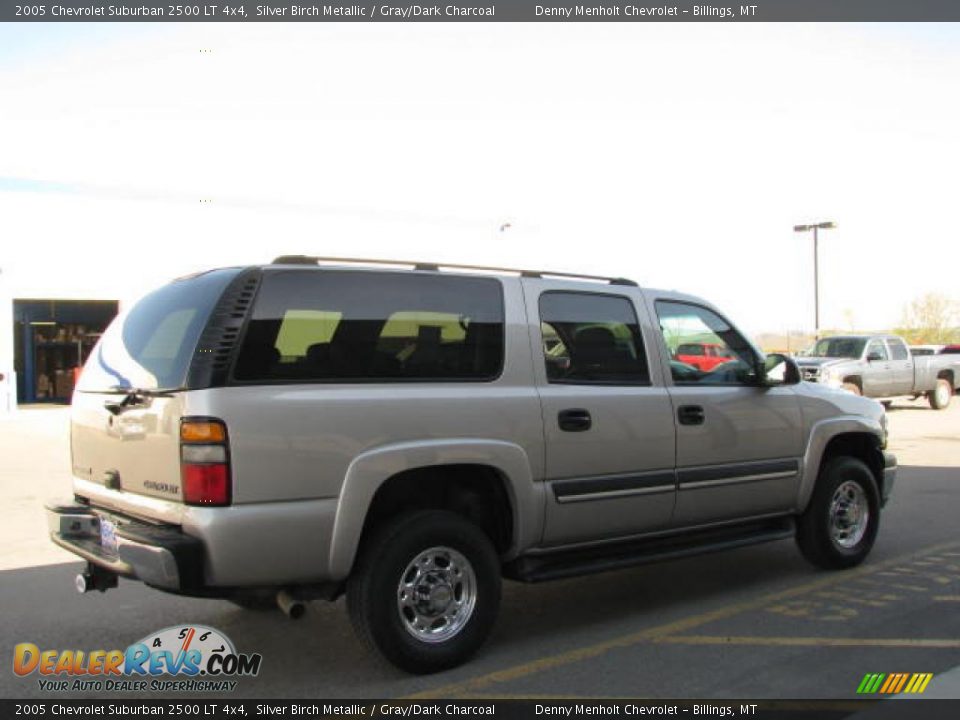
x=679, y=155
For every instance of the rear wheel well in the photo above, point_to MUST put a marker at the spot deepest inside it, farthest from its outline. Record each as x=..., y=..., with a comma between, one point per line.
x=946, y=375
x=863, y=446
x=476, y=492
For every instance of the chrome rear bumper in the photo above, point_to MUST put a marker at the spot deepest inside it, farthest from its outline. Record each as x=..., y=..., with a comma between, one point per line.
x=158, y=555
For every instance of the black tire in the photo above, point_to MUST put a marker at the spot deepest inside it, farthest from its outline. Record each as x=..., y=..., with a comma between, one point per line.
x=815, y=529
x=257, y=602
x=939, y=397
x=373, y=589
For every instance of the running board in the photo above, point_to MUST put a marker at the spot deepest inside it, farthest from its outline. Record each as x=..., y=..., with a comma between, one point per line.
x=585, y=561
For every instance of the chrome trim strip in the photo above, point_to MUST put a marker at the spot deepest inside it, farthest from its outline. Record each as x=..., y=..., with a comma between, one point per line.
x=737, y=480
x=610, y=494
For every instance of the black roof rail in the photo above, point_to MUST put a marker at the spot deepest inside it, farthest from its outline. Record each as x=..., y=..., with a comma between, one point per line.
x=436, y=267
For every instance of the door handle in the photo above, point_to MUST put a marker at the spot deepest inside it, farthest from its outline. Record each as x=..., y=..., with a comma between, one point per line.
x=574, y=420
x=690, y=415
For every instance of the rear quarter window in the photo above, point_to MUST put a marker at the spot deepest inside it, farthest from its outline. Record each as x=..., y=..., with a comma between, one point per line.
x=356, y=326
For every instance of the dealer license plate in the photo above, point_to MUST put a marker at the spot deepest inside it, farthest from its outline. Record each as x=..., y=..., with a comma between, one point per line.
x=108, y=536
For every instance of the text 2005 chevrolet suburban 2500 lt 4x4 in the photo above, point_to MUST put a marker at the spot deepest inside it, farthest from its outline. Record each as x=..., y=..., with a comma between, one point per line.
x=409, y=436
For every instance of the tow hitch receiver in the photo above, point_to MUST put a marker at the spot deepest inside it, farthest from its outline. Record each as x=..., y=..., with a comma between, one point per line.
x=95, y=578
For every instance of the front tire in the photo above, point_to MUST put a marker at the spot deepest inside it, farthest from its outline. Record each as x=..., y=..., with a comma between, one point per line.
x=939, y=397
x=425, y=591
x=840, y=524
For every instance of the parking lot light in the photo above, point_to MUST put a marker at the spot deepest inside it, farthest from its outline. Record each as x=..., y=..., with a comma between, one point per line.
x=827, y=225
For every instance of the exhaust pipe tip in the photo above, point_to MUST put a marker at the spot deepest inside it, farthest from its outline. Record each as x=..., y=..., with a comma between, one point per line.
x=291, y=606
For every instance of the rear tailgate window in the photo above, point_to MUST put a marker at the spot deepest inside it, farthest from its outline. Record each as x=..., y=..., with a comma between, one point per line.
x=151, y=345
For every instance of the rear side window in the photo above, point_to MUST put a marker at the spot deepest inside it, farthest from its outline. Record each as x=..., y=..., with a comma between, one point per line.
x=898, y=351
x=591, y=338
x=151, y=345
x=362, y=326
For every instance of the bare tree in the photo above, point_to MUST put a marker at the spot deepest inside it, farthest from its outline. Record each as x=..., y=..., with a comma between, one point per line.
x=930, y=319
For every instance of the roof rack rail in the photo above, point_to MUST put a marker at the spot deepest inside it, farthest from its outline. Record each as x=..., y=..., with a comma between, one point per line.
x=436, y=267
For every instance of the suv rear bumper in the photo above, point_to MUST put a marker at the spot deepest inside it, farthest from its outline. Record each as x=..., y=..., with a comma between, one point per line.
x=158, y=555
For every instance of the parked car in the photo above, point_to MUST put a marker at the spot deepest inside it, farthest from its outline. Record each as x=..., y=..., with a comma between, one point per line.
x=304, y=429
x=881, y=367
x=703, y=356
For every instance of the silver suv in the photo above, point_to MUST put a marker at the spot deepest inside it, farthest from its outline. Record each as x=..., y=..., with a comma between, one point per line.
x=409, y=434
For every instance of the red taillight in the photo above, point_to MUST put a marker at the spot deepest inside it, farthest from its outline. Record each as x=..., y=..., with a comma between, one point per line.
x=206, y=484
x=204, y=462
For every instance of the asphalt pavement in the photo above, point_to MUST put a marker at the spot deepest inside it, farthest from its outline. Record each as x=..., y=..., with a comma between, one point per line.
x=751, y=623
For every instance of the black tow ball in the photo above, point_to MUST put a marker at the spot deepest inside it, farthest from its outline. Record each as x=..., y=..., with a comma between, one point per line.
x=95, y=578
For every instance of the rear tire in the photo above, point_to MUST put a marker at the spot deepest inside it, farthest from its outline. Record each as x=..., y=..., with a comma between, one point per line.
x=939, y=397
x=840, y=524
x=425, y=591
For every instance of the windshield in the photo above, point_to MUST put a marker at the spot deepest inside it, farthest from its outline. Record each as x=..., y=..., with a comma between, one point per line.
x=150, y=346
x=839, y=347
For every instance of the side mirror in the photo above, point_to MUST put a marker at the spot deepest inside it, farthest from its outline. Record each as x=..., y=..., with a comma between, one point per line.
x=874, y=356
x=778, y=369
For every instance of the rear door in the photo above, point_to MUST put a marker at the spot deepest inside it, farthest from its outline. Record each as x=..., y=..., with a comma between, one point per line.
x=129, y=440
x=901, y=367
x=738, y=445
x=608, y=421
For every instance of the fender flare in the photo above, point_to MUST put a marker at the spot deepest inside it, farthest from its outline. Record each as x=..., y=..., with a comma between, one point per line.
x=821, y=434
x=371, y=469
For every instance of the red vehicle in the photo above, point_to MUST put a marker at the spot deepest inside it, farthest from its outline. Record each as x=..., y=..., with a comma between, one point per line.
x=703, y=356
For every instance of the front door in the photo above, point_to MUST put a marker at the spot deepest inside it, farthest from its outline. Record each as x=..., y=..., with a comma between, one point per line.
x=738, y=444
x=609, y=429
x=877, y=371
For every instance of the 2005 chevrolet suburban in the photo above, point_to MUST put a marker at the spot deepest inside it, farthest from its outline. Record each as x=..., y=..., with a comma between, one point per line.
x=409, y=434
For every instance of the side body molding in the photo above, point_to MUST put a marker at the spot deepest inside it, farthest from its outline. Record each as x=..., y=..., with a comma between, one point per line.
x=821, y=433
x=371, y=469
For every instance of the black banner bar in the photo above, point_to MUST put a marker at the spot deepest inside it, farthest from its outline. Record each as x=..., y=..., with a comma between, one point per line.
x=545, y=709
x=480, y=11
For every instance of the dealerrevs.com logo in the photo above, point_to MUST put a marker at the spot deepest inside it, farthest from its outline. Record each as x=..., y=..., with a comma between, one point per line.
x=200, y=658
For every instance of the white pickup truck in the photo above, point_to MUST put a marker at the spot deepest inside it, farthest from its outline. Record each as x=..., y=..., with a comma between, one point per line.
x=881, y=367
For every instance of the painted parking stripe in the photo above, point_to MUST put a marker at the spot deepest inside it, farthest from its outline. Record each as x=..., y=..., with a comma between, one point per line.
x=946, y=643
x=575, y=655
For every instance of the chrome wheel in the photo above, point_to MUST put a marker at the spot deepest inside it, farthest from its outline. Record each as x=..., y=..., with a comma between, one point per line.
x=437, y=594
x=849, y=514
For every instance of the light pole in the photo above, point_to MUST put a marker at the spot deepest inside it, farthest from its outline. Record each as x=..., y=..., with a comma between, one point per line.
x=816, y=269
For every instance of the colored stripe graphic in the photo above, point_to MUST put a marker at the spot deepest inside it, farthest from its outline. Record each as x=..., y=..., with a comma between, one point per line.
x=894, y=683
x=891, y=679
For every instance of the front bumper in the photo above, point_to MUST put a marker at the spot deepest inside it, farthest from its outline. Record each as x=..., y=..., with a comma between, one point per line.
x=889, y=475
x=158, y=555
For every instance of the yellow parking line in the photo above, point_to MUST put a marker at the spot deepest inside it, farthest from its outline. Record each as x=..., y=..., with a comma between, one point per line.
x=947, y=598
x=575, y=655
x=808, y=641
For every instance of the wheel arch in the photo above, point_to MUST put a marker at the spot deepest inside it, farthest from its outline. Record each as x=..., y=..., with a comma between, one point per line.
x=854, y=379
x=454, y=468
x=855, y=437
